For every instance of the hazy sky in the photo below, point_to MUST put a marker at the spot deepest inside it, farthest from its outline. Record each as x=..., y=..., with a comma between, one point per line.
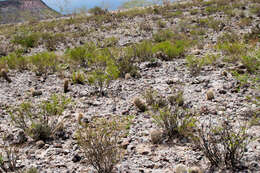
x=67, y=6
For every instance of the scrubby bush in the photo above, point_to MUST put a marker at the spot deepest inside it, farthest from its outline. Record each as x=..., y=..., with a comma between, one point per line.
x=44, y=63
x=194, y=64
x=126, y=64
x=26, y=39
x=97, y=11
x=223, y=146
x=140, y=104
x=8, y=159
x=99, y=141
x=78, y=55
x=51, y=40
x=41, y=121
x=172, y=50
x=251, y=62
x=15, y=61
x=163, y=35
x=143, y=50
x=103, y=69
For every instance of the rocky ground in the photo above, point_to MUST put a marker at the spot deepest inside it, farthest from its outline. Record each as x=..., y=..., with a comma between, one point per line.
x=64, y=154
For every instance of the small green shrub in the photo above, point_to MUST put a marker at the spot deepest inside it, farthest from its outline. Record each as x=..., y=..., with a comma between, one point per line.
x=52, y=40
x=143, y=50
x=163, y=35
x=223, y=146
x=172, y=50
x=233, y=50
x=97, y=11
x=110, y=42
x=252, y=63
x=126, y=64
x=44, y=63
x=15, y=61
x=41, y=121
x=81, y=55
x=161, y=24
x=194, y=64
x=175, y=123
x=99, y=142
x=103, y=69
x=26, y=39
x=176, y=99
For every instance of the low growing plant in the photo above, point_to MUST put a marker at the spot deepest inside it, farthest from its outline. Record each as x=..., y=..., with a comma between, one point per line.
x=175, y=122
x=41, y=121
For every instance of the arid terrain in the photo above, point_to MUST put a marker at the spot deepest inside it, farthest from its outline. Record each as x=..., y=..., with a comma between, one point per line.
x=162, y=89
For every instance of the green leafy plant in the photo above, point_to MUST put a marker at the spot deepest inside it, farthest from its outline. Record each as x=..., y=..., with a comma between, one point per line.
x=104, y=69
x=26, y=39
x=43, y=63
x=194, y=64
x=41, y=121
x=172, y=50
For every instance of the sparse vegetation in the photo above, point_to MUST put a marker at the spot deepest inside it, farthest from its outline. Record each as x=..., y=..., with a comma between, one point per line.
x=175, y=122
x=99, y=141
x=41, y=121
x=223, y=146
x=78, y=78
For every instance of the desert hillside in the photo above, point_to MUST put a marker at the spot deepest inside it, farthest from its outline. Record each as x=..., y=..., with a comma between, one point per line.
x=162, y=89
x=13, y=11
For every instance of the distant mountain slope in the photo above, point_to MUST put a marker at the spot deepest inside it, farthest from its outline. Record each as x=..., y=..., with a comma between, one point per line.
x=12, y=11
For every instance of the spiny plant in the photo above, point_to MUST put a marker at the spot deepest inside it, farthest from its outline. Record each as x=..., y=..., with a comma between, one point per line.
x=41, y=121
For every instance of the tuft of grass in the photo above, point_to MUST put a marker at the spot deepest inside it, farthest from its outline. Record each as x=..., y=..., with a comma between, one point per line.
x=78, y=78
x=163, y=35
x=175, y=123
x=140, y=104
